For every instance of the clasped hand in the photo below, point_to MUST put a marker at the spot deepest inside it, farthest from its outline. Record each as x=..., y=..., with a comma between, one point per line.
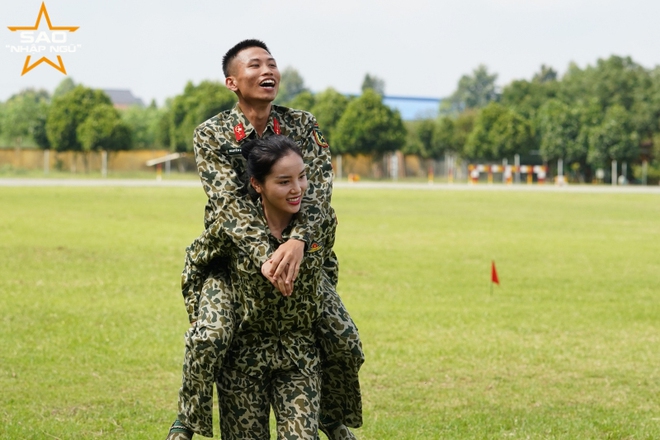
x=282, y=267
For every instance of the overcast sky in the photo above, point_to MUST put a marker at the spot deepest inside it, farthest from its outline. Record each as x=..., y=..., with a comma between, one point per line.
x=418, y=47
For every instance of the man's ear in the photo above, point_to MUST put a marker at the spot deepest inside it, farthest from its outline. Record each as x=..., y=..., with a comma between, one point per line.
x=230, y=82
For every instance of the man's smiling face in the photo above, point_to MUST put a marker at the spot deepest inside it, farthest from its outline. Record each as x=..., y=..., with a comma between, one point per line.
x=254, y=75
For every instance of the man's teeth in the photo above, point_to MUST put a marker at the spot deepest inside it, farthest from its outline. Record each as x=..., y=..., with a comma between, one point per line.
x=268, y=84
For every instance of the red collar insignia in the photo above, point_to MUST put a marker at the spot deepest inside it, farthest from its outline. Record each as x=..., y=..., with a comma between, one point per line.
x=276, y=126
x=239, y=132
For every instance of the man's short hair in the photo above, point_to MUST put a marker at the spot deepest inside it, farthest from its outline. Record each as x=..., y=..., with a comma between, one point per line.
x=231, y=53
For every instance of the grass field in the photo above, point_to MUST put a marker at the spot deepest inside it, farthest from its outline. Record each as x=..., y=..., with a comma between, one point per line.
x=567, y=347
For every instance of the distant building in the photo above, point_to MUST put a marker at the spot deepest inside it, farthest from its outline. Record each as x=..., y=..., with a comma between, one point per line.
x=123, y=98
x=412, y=108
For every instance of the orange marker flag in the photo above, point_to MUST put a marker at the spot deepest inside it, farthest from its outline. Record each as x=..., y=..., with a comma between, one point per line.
x=493, y=274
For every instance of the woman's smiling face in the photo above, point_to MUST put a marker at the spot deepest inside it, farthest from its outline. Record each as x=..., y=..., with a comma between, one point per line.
x=283, y=188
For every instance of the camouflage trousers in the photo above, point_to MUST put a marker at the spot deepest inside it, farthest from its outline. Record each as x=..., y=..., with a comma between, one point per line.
x=245, y=402
x=341, y=359
x=207, y=343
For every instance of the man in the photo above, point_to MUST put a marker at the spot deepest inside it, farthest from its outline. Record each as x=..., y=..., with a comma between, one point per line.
x=251, y=72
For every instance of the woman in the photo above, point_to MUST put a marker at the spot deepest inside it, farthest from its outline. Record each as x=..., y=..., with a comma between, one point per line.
x=273, y=360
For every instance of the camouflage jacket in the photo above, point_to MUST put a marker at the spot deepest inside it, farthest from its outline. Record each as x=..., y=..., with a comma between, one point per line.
x=270, y=324
x=221, y=167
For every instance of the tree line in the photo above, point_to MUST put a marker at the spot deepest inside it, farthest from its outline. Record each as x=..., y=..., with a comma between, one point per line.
x=81, y=119
x=588, y=118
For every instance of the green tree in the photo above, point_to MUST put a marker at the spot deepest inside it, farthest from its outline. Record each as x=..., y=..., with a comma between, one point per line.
x=304, y=101
x=499, y=133
x=558, y=127
x=574, y=85
x=39, y=131
x=2, y=117
x=413, y=144
x=479, y=145
x=545, y=74
x=426, y=134
x=369, y=126
x=23, y=116
x=372, y=82
x=328, y=107
x=103, y=129
x=67, y=112
x=614, y=138
x=64, y=87
x=163, y=139
x=144, y=124
x=420, y=140
x=590, y=115
x=444, y=137
x=653, y=92
x=526, y=97
x=291, y=84
x=645, y=115
x=463, y=127
x=195, y=105
x=473, y=91
x=616, y=80
x=607, y=87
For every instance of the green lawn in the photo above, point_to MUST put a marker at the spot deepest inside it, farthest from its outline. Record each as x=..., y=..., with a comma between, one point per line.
x=567, y=347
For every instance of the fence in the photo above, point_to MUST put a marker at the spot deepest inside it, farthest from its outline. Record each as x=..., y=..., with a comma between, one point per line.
x=507, y=172
x=77, y=162
x=389, y=166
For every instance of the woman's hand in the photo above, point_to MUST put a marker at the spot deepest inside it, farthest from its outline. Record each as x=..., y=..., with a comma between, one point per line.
x=286, y=263
x=280, y=283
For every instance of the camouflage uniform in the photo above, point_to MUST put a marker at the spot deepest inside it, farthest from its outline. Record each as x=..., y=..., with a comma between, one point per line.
x=274, y=358
x=213, y=303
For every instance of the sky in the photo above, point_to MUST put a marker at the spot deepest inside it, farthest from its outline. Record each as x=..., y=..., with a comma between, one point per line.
x=419, y=48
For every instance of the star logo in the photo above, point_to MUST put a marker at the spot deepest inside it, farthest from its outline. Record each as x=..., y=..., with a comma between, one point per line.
x=43, y=13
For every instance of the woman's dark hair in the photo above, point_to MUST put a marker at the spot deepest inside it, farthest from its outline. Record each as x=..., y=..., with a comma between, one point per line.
x=261, y=155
